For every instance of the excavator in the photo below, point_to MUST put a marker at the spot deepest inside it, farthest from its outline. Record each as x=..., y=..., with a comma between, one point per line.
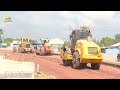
x=2, y=43
x=45, y=48
x=82, y=51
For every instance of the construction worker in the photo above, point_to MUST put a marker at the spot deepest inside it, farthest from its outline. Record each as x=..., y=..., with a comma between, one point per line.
x=44, y=42
x=68, y=50
x=64, y=49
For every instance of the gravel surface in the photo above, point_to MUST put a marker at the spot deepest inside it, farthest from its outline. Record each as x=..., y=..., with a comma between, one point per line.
x=52, y=66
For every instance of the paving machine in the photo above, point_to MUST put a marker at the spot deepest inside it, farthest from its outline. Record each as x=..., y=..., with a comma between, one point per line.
x=82, y=51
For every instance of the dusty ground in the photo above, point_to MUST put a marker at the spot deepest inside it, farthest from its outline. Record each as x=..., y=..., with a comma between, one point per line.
x=51, y=66
x=42, y=75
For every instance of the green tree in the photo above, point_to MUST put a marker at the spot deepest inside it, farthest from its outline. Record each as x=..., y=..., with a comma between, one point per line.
x=117, y=38
x=17, y=39
x=32, y=41
x=67, y=43
x=106, y=41
x=8, y=40
x=96, y=41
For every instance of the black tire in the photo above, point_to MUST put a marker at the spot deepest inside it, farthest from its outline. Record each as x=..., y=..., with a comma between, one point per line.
x=70, y=62
x=83, y=65
x=31, y=51
x=67, y=63
x=75, y=61
x=37, y=53
x=95, y=66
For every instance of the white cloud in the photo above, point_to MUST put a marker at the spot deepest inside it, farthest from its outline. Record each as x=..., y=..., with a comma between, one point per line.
x=22, y=17
x=86, y=21
x=66, y=14
x=77, y=18
x=99, y=15
x=53, y=18
x=59, y=21
x=35, y=18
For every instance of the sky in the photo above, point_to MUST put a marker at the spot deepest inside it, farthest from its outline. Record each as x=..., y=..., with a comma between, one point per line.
x=55, y=24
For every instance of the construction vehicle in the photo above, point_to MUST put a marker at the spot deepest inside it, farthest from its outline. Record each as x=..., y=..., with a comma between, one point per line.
x=66, y=56
x=82, y=51
x=14, y=45
x=24, y=45
x=45, y=48
x=2, y=43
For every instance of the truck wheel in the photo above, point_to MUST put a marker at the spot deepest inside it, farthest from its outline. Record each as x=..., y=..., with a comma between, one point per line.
x=31, y=51
x=66, y=62
x=83, y=65
x=75, y=61
x=95, y=66
x=37, y=53
x=70, y=63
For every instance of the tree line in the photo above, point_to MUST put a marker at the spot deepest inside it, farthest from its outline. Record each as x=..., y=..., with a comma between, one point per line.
x=10, y=40
x=104, y=42
x=107, y=41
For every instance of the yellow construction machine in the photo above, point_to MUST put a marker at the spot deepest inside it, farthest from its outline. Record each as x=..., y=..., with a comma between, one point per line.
x=24, y=45
x=45, y=48
x=82, y=51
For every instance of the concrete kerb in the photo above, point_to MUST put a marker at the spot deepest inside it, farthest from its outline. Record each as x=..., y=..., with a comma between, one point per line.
x=110, y=60
x=111, y=64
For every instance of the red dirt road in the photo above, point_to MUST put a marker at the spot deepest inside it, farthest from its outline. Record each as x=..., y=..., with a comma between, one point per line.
x=53, y=65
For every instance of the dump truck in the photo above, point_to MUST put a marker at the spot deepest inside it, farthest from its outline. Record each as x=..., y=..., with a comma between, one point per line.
x=24, y=45
x=82, y=50
x=45, y=48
